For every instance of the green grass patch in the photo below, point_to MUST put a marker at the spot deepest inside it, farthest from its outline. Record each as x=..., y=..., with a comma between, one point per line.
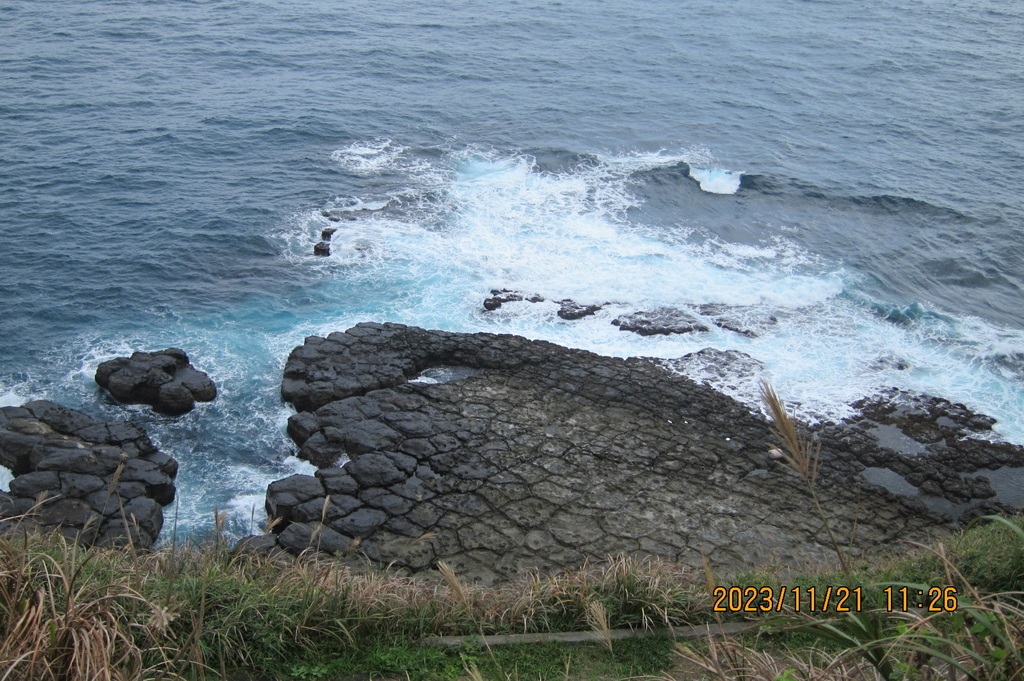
x=629, y=658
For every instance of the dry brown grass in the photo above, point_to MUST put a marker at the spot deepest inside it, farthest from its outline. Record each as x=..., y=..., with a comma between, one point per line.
x=72, y=614
x=803, y=456
x=57, y=625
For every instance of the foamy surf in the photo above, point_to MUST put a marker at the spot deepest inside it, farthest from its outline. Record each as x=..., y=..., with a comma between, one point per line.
x=368, y=157
x=717, y=180
x=500, y=222
x=473, y=221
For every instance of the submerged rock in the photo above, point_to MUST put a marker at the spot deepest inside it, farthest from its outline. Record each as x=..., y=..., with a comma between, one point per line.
x=746, y=321
x=660, y=321
x=730, y=371
x=164, y=380
x=749, y=321
x=547, y=457
x=500, y=297
x=99, y=483
x=571, y=310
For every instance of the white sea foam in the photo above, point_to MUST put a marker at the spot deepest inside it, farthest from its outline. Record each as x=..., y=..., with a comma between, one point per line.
x=483, y=220
x=717, y=180
x=5, y=479
x=501, y=223
x=368, y=157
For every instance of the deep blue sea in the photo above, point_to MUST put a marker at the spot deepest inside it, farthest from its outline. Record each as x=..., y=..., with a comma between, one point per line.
x=854, y=169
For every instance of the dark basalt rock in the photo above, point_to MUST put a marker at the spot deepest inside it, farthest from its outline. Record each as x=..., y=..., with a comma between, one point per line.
x=746, y=321
x=502, y=296
x=322, y=248
x=930, y=442
x=660, y=321
x=81, y=476
x=164, y=380
x=550, y=456
x=327, y=233
x=571, y=310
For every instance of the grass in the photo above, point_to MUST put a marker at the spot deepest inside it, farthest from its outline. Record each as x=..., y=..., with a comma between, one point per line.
x=550, y=661
x=71, y=613
x=201, y=611
x=68, y=613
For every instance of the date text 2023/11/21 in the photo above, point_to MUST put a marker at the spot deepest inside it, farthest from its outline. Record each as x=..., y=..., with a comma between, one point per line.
x=831, y=598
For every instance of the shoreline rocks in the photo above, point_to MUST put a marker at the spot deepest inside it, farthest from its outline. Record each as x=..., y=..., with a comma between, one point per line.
x=165, y=380
x=548, y=456
x=661, y=321
x=930, y=444
x=101, y=483
x=744, y=320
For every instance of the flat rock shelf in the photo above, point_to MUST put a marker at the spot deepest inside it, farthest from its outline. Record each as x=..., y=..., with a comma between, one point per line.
x=544, y=457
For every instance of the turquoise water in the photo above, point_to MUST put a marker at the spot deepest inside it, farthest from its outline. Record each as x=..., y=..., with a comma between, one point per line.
x=852, y=170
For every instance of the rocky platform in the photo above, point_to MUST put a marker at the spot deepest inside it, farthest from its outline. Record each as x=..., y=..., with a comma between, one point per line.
x=165, y=380
x=543, y=457
x=97, y=482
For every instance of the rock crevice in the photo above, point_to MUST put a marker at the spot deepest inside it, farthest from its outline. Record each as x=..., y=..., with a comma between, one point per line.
x=543, y=458
x=94, y=482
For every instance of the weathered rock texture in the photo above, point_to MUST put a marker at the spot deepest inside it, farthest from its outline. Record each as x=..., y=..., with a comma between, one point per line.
x=164, y=380
x=100, y=483
x=661, y=321
x=744, y=320
x=932, y=444
x=545, y=458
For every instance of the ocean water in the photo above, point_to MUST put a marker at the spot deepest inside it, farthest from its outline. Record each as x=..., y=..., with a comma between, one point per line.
x=851, y=170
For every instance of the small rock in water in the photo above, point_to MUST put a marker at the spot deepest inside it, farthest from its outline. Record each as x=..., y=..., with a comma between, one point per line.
x=322, y=248
x=327, y=233
x=499, y=297
x=571, y=310
x=164, y=380
x=660, y=321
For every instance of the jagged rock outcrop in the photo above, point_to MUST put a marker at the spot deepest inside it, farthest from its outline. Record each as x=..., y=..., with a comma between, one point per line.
x=927, y=443
x=100, y=483
x=749, y=321
x=164, y=380
x=661, y=321
x=501, y=296
x=544, y=458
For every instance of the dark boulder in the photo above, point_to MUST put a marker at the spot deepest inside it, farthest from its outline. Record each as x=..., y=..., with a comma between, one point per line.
x=571, y=310
x=502, y=296
x=660, y=321
x=284, y=496
x=322, y=248
x=98, y=483
x=164, y=380
x=299, y=537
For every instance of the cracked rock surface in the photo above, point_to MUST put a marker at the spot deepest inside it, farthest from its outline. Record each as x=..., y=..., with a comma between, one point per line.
x=546, y=457
x=943, y=449
x=100, y=483
x=165, y=380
